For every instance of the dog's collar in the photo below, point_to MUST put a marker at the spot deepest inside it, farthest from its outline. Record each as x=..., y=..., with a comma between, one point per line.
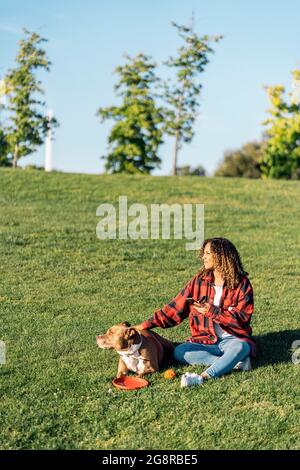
x=133, y=349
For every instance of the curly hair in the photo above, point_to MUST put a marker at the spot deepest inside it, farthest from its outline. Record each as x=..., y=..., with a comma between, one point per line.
x=227, y=260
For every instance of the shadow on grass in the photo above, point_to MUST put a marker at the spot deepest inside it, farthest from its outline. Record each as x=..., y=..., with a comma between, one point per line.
x=275, y=347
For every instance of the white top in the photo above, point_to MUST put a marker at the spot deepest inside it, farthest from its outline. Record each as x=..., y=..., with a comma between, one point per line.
x=219, y=331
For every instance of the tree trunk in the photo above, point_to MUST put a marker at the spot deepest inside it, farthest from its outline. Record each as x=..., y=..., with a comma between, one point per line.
x=15, y=159
x=175, y=153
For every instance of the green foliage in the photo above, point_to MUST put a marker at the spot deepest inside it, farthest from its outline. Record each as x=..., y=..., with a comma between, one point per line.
x=27, y=123
x=187, y=170
x=135, y=138
x=4, y=149
x=137, y=134
x=34, y=167
x=181, y=96
x=243, y=162
x=282, y=155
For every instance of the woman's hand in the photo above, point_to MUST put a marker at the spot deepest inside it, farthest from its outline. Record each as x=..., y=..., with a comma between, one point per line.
x=202, y=308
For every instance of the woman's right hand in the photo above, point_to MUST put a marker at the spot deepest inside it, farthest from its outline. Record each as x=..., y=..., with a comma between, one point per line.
x=202, y=308
x=138, y=327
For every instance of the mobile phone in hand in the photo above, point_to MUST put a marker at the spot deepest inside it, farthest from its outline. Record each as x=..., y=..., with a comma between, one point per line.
x=193, y=301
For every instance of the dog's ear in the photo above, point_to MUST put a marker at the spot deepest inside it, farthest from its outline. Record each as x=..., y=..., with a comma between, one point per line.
x=126, y=323
x=130, y=333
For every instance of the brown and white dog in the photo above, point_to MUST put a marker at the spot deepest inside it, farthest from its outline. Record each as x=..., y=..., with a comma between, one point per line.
x=140, y=351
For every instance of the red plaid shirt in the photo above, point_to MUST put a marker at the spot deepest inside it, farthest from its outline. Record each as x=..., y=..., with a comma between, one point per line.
x=233, y=314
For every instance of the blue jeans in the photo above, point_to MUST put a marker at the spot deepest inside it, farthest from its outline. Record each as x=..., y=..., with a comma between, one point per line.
x=221, y=356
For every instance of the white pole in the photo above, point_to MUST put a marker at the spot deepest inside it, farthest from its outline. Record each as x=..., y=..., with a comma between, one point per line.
x=48, y=148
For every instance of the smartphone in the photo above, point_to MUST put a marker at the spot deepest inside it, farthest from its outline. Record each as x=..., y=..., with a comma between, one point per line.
x=193, y=301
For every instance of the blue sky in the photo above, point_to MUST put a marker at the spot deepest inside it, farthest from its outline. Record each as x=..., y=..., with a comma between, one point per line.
x=87, y=40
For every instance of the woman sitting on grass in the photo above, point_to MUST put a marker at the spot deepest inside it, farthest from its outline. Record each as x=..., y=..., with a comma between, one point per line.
x=219, y=304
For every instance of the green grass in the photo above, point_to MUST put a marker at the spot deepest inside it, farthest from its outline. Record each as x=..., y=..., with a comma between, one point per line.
x=60, y=286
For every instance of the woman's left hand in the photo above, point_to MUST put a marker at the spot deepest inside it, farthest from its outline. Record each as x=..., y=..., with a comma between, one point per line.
x=202, y=308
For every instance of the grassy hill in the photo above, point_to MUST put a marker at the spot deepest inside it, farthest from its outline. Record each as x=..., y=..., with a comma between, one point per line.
x=60, y=286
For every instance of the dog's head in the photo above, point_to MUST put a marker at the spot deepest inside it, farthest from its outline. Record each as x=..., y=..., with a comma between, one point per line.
x=119, y=337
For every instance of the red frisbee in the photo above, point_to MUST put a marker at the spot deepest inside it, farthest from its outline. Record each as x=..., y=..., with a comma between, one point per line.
x=130, y=383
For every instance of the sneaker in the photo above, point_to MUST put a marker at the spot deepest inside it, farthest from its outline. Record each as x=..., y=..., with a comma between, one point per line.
x=189, y=379
x=244, y=365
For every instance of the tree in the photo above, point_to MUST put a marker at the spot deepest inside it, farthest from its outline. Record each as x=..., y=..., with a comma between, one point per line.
x=187, y=170
x=243, y=162
x=135, y=138
x=27, y=121
x=181, y=97
x=282, y=155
